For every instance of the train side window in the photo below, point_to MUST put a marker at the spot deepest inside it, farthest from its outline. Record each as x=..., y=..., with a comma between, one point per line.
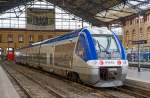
x=81, y=48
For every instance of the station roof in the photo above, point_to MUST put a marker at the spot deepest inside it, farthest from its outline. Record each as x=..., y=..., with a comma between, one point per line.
x=97, y=12
x=87, y=9
x=8, y=4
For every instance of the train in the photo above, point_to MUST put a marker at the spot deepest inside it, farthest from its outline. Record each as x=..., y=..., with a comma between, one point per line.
x=94, y=56
x=10, y=54
x=134, y=56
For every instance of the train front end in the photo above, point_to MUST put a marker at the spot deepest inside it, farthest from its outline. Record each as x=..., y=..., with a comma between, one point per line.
x=106, y=59
x=111, y=59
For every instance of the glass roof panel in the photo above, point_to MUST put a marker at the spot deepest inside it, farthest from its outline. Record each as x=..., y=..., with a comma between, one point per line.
x=144, y=7
x=142, y=4
x=123, y=10
x=115, y=13
x=134, y=2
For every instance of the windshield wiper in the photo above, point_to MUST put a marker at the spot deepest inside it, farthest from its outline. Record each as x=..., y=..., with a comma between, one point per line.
x=99, y=46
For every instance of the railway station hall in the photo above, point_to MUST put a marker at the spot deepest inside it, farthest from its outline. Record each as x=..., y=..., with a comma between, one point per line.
x=74, y=48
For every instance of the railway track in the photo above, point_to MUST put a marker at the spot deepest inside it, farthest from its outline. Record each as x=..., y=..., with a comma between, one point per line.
x=55, y=85
x=43, y=82
x=18, y=87
x=31, y=88
x=135, y=91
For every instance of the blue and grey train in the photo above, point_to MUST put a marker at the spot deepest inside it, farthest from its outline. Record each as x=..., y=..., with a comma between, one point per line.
x=134, y=56
x=94, y=56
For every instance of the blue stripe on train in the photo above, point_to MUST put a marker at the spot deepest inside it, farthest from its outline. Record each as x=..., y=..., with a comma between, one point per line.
x=64, y=37
x=90, y=51
x=122, y=50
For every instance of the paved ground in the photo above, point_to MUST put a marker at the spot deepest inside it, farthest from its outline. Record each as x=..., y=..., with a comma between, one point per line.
x=6, y=88
x=143, y=76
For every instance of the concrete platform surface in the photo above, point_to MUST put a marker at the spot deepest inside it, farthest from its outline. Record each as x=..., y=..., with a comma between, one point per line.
x=143, y=75
x=7, y=90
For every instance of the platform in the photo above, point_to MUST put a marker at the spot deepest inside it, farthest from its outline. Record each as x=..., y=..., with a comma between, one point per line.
x=141, y=79
x=143, y=75
x=6, y=88
x=142, y=64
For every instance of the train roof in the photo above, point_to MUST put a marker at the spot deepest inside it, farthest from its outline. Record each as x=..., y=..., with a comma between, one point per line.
x=95, y=30
x=101, y=30
x=57, y=38
x=63, y=37
x=69, y=35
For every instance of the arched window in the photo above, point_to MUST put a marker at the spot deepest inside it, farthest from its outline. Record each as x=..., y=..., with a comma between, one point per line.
x=133, y=31
x=127, y=32
x=133, y=34
x=127, y=37
x=141, y=30
x=148, y=29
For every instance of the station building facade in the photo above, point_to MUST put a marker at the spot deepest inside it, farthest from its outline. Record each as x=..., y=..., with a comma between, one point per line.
x=136, y=28
x=16, y=38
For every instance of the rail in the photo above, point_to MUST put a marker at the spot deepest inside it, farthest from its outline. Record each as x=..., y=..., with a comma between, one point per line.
x=62, y=88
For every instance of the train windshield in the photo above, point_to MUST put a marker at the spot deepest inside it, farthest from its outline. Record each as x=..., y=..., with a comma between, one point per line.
x=106, y=47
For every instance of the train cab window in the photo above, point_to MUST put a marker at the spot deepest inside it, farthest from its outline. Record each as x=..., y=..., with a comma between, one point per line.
x=106, y=47
x=81, y=48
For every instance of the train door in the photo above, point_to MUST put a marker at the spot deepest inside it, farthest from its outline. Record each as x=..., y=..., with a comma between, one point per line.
x=10, y=54
x=48, y=52
x=51, y=56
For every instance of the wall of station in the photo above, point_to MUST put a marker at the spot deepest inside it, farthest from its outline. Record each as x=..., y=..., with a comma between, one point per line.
x=16, y=38
x=135, y=30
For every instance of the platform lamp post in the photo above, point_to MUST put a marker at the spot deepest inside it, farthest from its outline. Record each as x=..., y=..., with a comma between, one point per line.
x=139, y=31
x=139, y=44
